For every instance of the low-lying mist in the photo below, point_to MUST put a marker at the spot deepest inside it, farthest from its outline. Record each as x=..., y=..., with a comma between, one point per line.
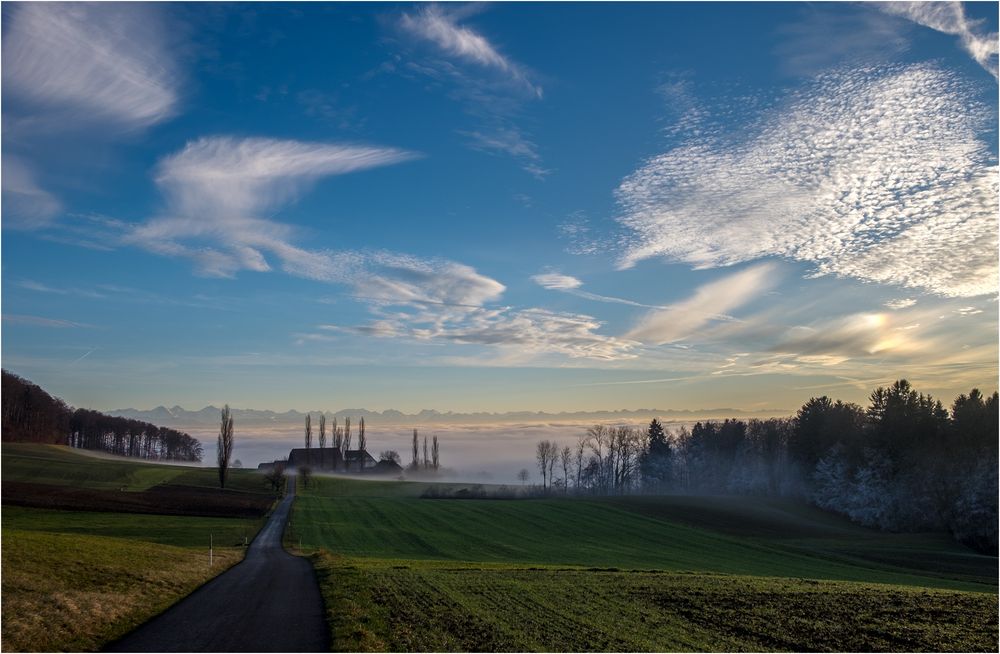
x=483, y=453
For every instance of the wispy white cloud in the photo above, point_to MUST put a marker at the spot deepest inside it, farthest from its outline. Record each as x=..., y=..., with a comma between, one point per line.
x=25, y=204
x=878, y=174
x=901, y=303
x=397, y=279
x=556, y=281
x=217, y=190
x=683, y=319
x=93, y=61
x=38, y=321
x=521, y=335
x=509, y=140
x=822, y=36
x=949, y=17
x=571, y=285
x=490, y=87
x=435, y=24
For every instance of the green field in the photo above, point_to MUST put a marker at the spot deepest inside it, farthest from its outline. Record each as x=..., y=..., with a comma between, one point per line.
x=62, y=466
x=664, y=573
x=76, y=580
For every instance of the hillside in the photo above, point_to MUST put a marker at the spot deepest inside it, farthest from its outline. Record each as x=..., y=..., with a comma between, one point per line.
x=31, y=415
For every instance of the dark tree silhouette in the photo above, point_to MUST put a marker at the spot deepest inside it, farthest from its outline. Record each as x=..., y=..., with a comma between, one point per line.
x=414, y=464
x=435, y=454
x=322, y=439
x=545, y=454
x=655, y=461
x=276, y=477
x=225, y=451
x=346, y=442
x=309, y=431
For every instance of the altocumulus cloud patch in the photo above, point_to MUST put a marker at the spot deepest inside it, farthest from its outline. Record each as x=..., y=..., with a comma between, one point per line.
x=878, y=174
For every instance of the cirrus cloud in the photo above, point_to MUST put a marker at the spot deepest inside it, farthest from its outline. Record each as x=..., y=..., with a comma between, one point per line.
x=107, y=62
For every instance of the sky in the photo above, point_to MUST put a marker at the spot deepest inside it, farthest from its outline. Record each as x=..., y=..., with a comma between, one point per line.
x=498, y=207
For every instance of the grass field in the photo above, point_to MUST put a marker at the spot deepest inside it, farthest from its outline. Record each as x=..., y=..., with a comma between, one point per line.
x=411, y=574
x=63, y=466
x=76, y=580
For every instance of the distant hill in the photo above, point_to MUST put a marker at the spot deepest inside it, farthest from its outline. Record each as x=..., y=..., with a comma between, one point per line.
x=210, y=415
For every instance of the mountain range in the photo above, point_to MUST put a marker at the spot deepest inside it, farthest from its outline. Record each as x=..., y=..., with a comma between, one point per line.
x=179, y=416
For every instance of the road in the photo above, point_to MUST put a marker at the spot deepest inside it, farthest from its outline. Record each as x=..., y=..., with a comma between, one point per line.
x=269, y=602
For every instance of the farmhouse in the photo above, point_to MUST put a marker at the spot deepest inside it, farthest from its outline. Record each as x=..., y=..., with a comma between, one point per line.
x=329, y=458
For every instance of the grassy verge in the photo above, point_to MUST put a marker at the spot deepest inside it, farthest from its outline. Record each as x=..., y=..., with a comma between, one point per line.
x=76, y=580
x=74, y=592
x=378, y=605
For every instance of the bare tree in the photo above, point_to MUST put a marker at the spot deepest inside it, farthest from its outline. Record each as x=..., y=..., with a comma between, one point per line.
x=305, y=474
x=553, y=455
x=579, y=461
x=435, y=459
x=545, y=453
x=309, y=430
x=225, y=451
x=426, y=460
x=389, y=455
x=416, y=441
x=361, y=434
x=523, y=475
x=276, y=476
x=614, y=457
x=565, y=456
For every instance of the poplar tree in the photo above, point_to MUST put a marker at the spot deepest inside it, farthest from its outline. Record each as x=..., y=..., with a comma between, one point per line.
x=225, y=451
x=347, y=440
x=322, y=437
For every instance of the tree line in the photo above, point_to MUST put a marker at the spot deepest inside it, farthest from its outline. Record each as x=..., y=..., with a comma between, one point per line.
x=31, y=415
x=903, y=463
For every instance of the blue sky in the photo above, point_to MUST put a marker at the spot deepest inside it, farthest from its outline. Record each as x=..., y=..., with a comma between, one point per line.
x=498, y=206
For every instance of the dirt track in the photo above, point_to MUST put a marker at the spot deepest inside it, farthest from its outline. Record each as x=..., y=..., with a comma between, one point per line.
x=270, y=602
